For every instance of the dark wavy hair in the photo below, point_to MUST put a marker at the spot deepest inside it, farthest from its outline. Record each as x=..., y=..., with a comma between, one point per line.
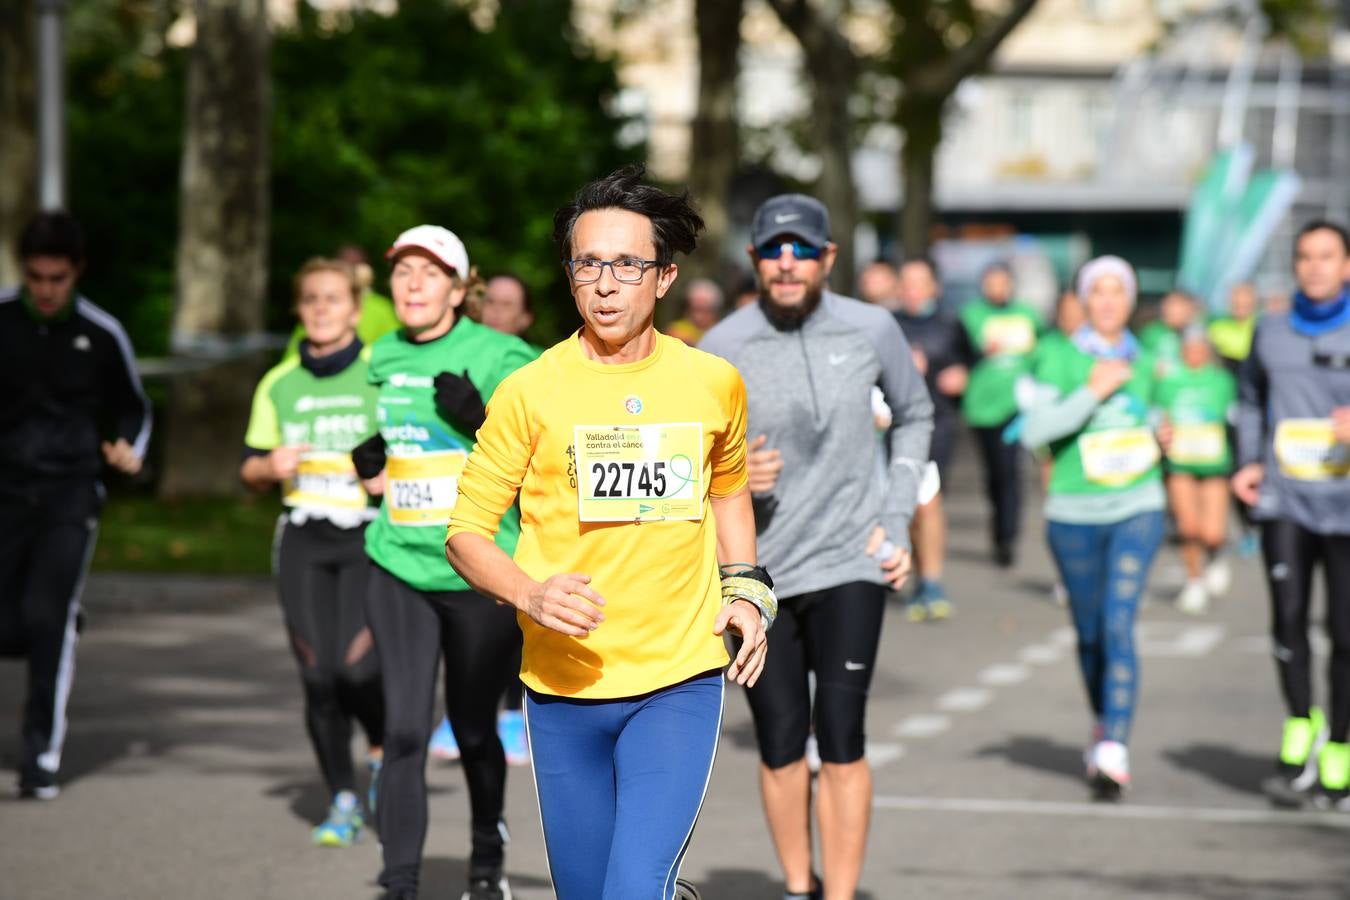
x=675, y=222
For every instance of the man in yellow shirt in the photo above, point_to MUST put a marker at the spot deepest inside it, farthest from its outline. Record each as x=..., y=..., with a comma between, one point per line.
x=628, y=451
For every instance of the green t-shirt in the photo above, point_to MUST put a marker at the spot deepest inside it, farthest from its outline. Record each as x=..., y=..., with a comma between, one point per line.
x=1116, y=450
x=1165, y=345
x=330, y=413
x=377, y=320
x=1005, y=338
x=426, y=451
x=1197, y=402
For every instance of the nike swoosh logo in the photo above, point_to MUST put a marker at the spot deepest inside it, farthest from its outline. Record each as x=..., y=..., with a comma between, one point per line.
x=854, y=666
x=836, y=360
x=784, y=218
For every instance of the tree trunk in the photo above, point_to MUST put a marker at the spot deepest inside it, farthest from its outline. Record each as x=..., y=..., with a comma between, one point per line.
x=18, y=142
x=832, y=66
x=222, y=244
x=837, y=189
x=922, y=124
x=714, y=151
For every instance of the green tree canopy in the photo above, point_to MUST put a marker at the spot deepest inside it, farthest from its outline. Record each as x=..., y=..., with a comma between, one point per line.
x=381, y=123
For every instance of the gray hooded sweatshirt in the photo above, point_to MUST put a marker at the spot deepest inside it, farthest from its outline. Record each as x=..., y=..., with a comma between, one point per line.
x=810, y=393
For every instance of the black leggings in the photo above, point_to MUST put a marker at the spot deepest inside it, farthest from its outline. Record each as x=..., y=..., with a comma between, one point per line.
x=834, y=633
x=1291, y=553
x=478, y=639
x=321, y=575
x=1002, y=482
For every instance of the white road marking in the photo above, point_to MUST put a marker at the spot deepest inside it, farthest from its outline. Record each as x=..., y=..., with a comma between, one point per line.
x=999, y=675
x=1064, y=637
x=964, y=699
x=922, y=726
x=878, y=754
x=1166, y=639
x=1040, y=654
x=1214, y=815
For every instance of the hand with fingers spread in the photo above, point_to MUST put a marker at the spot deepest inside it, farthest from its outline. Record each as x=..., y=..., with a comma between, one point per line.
x=566, y=603
x=763, y=465
x=743, y=618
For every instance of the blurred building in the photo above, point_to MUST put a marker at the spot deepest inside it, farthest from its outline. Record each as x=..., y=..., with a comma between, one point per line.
x=1089, y=133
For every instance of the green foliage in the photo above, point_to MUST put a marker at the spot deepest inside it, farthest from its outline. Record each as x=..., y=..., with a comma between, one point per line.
x=223, y=536
x=125, y=127
x=381, y=123
x=388, y=122
x=1304, y=23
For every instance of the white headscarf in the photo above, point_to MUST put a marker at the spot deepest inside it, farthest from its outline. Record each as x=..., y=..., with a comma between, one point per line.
x=1107, y=265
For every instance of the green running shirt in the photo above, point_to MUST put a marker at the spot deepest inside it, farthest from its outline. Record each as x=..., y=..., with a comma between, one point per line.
x=332, y=414
x=1198, y=403
x=426, y=451
x=1116, y=450
x=1005, y=338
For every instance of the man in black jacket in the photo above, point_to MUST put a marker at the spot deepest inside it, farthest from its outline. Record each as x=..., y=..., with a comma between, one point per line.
x=70, y=401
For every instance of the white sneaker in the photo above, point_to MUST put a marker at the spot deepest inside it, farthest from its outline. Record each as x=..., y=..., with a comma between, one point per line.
x=1218, y=577
x=1194, y=598
x=1111, y=761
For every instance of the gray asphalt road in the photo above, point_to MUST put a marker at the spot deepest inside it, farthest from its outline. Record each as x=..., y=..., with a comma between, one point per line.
x=188, y=774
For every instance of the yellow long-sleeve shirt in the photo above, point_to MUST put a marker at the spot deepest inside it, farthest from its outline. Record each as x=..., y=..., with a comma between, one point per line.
x=615, y=466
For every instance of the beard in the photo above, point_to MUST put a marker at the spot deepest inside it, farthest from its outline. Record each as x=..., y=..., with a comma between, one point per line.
x=790, y=318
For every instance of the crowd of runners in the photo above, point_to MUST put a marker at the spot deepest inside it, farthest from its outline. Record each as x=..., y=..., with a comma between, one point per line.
x=581, y=545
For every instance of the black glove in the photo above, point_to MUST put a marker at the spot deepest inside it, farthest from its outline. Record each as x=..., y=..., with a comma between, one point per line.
x=458, y=398
x=368, y=456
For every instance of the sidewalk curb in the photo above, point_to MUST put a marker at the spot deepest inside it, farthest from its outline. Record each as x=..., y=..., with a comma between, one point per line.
x=139, y=592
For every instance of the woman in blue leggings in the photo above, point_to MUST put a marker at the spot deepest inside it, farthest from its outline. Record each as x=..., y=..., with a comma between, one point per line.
x=1093, y=409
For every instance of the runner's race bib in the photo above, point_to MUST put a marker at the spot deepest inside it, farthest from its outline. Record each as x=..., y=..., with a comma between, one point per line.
x=325, y=480
x=1008, y=335
x=1307, y=450
x=1117, y=456
x=420, y=490
x=631, y=473
x=1197, y=444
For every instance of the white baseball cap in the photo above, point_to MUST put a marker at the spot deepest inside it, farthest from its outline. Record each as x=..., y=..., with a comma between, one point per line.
x=440, y=242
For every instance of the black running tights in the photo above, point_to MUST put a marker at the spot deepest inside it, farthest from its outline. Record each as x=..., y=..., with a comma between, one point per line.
x=478, y=639
x=1291, y=553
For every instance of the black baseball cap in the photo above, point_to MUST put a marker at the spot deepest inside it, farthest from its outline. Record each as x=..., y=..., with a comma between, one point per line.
x=796, y=215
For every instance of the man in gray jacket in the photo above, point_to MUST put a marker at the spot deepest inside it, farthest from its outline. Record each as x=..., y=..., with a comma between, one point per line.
x=832, y=528
x=1294, y=457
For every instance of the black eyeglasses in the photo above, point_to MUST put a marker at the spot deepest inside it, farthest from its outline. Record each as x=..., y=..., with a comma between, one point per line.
x=800, y=250
x=627, y=269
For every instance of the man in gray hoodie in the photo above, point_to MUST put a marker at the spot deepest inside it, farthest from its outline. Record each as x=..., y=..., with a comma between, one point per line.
x=832, y=527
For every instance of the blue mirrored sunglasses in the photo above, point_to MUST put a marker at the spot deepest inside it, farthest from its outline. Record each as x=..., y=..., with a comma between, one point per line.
x=800, y=250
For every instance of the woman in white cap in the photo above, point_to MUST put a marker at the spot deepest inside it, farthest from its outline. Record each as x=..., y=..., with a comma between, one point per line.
x=435, y=376
x=1094, y=410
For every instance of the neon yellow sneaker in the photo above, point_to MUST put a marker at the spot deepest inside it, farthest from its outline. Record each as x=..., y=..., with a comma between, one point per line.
x=1296, y=767
x=1333, y=767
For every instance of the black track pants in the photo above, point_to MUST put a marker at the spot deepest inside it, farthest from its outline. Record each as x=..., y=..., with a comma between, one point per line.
x=1002, y=482
x=46, y=541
